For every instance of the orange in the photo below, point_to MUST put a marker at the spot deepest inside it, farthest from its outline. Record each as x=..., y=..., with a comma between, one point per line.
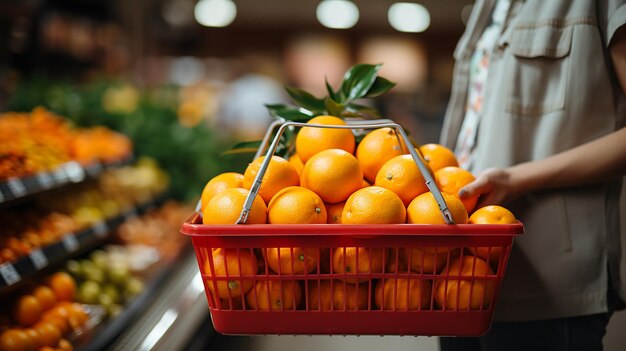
x=438, y=156
x=237, y=304
x=274, y=295
x=310, y=141
x=365, y=184
x=77, y=316
x=451, y=179
x=45, y=296
x=296, y=162
x=27, y=310
x=49, y=334
x=33, y=337
x=334, y=212
x=423, y=261
x=61, y=323
x=278, y=175
x=370, y=260
x=220, y=183
x=63, y=285
x=402, y=294
x=351, y=296
x=471, y=294
x=401, y=175
x=395, y=265
x=283, y=262
x=492, y=214
x=376, y=148
x=424, y=209
x=296, y=205
x=15, y=340
x=332, y=174
x=233, y=263
x=373, y=205
x=225, y=208
x=65, y=345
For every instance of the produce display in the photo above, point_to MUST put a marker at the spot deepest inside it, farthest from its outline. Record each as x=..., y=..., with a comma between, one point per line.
x=157, y=229
x=105, y=277
x=342, y=176
x=40, y=141
x=44, y=316
x=106, y=230
x=56, y=214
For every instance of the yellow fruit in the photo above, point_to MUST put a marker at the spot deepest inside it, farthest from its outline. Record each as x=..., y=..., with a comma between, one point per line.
x=402, y=294
x=401, y=175
x=220, y=183
x=429, y=260
x=370, y=260
x=27, y=310
x=225, y=208
x=424, y=210
x=274, y=295
x=281, y=261
x=373, y=205
x=376, y=148
x=296, y=205
x=451, y=179
x=279, y=174
x=333, y=174
x=336, y=296
x=310, y=141
x=438, y=156
x=492, y=214
x=234, y=264
x=296, y=162
x=465, y=294
x=334, y=212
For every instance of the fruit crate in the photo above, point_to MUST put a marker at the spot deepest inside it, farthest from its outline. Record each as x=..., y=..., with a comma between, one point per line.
x=337, y=279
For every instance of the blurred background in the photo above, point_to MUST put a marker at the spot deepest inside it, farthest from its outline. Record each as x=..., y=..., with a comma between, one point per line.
x=187, y=79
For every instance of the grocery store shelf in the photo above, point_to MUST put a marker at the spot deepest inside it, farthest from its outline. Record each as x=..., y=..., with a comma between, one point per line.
x=13, y=273
x=171, y=319
x=68, y=173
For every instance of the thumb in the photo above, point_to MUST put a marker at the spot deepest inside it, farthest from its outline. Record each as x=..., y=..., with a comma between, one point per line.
x=480, y=186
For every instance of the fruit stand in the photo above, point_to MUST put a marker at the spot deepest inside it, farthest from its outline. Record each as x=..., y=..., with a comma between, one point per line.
x=87, y=236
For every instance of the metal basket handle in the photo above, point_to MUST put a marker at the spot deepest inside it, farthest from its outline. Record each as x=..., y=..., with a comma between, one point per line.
x=375, y=124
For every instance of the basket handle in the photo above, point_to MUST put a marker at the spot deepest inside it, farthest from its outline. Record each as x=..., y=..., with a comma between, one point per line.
x=256, y=185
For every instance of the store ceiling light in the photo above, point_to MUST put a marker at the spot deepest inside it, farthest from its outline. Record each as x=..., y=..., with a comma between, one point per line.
x=408, y=17
x=215, y=13
x=338, y=14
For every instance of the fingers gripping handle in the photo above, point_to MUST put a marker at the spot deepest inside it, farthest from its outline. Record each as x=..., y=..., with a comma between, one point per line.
x=256, y=185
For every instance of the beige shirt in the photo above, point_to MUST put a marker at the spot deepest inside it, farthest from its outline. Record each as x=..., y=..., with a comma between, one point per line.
x=551, y=87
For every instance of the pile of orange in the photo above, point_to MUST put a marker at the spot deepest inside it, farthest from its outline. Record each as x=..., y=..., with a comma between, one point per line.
x=40, y=141
x=327, y=180
x=42, y=317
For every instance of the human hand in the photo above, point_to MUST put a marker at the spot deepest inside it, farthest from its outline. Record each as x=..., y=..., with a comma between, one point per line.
x=494, y=186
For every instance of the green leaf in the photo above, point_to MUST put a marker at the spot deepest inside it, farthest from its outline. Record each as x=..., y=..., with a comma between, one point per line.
x=333, y=107
x=290, y=113
x=306, y=100
x=367, y=112
x=358, y=80
x=331, y=93
x=244, y=147
x=249, y=150
x=380, y=86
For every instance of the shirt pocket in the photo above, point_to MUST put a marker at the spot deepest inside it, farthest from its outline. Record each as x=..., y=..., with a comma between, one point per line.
x=538, y=66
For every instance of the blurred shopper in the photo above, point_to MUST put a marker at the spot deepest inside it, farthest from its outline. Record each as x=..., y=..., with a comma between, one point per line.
x=538, y=111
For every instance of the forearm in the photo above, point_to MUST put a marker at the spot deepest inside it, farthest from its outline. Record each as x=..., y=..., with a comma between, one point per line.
x=596, y=161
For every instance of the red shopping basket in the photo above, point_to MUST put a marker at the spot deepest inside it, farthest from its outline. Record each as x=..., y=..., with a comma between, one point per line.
x=406, y=276
x=334, y=279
